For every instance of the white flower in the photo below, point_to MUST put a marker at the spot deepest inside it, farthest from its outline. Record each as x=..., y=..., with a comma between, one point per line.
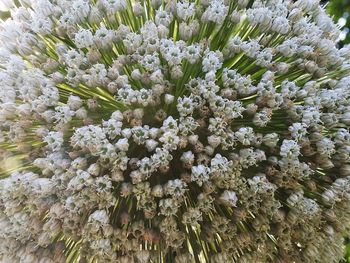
x=80, y=10
x=170, y=140
x=122, y=144
x=146, y=166
x=84, y=38
x=151, y=145
x=192, y=216
x=81, y=180
x=325, y=147
x=245, y=135
x=228, y=198
x=251, y=48
x=200, y=174
x=307, y=5
x=271, y=139
x=63, y=114
x=191, y=115
x=173, y=55
x=298, y=130
x=212, y=61
x=247, y=157
x=117, y=115
x=103, y=37
x=187, y=157
x=264, y=57
x=185, y=106
x=280, y=25
x=176, y=188
x=290, y=148
x=94, y=169
x=216, y=12
x=170, y=124
x=168, y=207
x=112, y=6
x=289, y=89
x=74, y=102
x=163, y=17
x=214, y=141
x=260, y=16
x=263, y=117
x=131, y=41
x=288, y=48
x=54, y=140
x=193, y=53
x=150, y=62
x=143, y=256
x=42, y=25
x=144, y=97
x=184, y=10
x=161, y=157
x=99, y=216
x=168, y=98
x=233, y=45
x=140, y=134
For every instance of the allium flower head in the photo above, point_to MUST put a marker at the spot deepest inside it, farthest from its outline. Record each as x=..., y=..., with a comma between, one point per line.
x=173, y=131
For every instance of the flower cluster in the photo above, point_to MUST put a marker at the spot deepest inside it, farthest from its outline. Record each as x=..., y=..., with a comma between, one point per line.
x=173, y=131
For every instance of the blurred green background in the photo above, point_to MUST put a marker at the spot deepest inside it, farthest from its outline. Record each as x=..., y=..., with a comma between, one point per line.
x=347, y=251
x=340, y=10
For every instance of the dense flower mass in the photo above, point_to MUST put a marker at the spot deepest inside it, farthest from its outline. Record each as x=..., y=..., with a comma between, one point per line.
x=139, y=131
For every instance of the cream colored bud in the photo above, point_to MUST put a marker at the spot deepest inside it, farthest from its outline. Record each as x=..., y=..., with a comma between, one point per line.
x=126, y=189
x=164, y=168
x=209, y=150
x=138, y=9
x=157, y=191
x=138, y=113
x=168, y=98
x=193, y=139
x=136, y=74
x=329, y=197
x=125, y=218
x=94, y=169
x=117, y=175
x=345, y=170
x=81, y=113
x=228, y=198
x=214, y=141
x=186, y=177
x=183, y=142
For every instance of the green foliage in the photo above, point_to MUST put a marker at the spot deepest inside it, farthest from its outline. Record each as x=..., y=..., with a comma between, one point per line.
x=4, y=15
x=341, y=9
x=347, y=250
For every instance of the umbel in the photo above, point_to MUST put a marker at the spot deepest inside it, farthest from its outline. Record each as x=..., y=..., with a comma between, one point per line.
x=166, y=131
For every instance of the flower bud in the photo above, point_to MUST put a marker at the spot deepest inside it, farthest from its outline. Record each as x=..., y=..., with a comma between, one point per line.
x=157, y=191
